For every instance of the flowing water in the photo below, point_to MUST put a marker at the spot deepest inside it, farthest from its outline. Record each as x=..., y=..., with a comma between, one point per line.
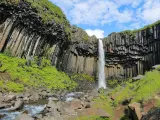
x=32, y=111
x=101, y=76
x=36, y=108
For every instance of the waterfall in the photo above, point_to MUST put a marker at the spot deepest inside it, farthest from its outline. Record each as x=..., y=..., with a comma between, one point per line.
x=101, y=65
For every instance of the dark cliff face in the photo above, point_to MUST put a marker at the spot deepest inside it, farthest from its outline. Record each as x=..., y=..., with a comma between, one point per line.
x=23, y=33
x=78, y=55
x=128, y=55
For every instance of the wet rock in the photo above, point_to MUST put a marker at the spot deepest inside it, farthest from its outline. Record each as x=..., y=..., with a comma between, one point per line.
x=18, y=105
x=24, y=117
x=5, y=105
x=2, y=116
x=135, y=111
x=9, y=98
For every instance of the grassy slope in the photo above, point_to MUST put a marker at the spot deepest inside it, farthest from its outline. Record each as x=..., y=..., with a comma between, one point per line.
x=142, y=90
x=36, y=76
x=47, y=11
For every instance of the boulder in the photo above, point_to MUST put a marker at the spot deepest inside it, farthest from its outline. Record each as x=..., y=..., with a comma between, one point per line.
x=76, y=104
x=95, y=112
x=139, y=77
x=135, y=111
x=156, y=67
x=70, y=111
x=34, y=97
x=24, y=117
x=5, y=105
x=2, y=116
x=86, y=105
x=9, y=98
x=152, y=115
x=18, y=105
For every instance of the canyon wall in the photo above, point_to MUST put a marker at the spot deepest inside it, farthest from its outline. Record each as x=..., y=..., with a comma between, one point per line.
x=24, y=34
x=79, y=55
x=130, y=53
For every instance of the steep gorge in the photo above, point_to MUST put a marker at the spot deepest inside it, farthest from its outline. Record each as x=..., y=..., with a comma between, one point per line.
x=24, y=33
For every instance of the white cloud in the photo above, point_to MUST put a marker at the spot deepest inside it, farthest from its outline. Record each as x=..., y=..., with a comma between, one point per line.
x=94, y=12
x=122, y=13
x=97, y=32
x=150, y=12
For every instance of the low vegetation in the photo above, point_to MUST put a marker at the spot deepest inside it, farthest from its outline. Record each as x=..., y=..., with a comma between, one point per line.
x=139, y=91
x=81, y=77
x=21, y=75
x=132, y=33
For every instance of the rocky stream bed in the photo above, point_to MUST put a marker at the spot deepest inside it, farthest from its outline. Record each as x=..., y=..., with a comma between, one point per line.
x=34, y=106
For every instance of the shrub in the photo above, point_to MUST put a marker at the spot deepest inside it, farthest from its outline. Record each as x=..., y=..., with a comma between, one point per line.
x=37, y=76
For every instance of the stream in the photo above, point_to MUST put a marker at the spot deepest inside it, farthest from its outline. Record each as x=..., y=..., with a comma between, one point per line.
x=32, y=111
x=35, y=108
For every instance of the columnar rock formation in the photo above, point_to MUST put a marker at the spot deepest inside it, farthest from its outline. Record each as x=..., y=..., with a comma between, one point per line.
x=78, y=55
x=24, y=34
x=129, y=54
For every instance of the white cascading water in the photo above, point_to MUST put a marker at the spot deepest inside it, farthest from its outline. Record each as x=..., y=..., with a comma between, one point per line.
x=101, y=65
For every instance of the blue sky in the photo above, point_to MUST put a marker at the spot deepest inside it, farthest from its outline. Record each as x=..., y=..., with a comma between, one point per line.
x=102, y=17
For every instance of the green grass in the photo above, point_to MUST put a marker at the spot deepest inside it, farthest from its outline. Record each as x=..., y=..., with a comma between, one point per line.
x=82, y=77
x=36, y=76
x=11, y=86
x=103, y=102
x=142, y=90
x=47, y=11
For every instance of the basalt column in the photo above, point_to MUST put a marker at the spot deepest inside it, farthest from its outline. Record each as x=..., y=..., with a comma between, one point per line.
x=128, y=55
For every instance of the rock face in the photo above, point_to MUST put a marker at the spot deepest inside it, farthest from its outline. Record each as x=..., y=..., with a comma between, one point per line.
x=78, y=55
x=128, y=55
x=23, y=34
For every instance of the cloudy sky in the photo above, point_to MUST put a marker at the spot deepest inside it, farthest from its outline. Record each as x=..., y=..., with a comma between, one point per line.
x=102, y=17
